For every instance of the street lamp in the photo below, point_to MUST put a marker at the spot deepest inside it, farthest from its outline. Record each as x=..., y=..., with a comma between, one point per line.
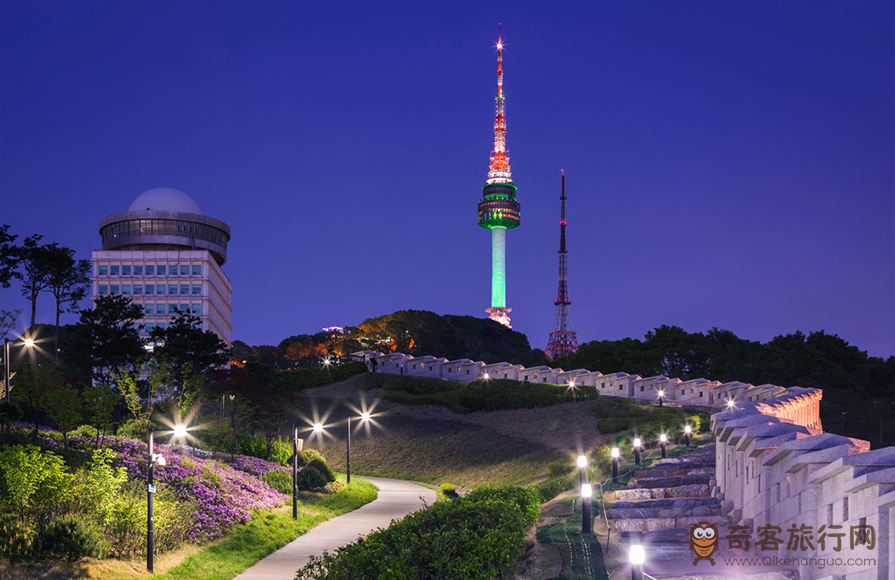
x=687, y=431
x=614, y=454
x=297, y=444
x=586, y=492
x=637, y=451
x=364, y=417
x=28, y=343
x=661, y=396
x=663, y=439
x=730, y=403
x=150, y=533
x=637, y=557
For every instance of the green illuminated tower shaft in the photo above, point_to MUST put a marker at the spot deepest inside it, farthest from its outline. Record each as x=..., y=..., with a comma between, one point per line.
x=498, y=209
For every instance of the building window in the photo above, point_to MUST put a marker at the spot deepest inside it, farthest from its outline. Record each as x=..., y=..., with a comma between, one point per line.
x=197, y=270
x=197, y=308
x=161, y=325
x=114, y=289
x=138, y=270
x=197, y=289
x=172, y=270
x=103, y=289
x=125, y=270
x=184, y=289
x=172, y=288
x=619, y=387
x=138, y=289
x=184, y=307
x=103, y=270
x=149, y=327
x=691, y=390
x=150, y=270
x=682, y=391
x=467, y=372
x=641, y=388
x=700, y=393
x=149, y=308
x=184, y=269
x=160, y=308
x=114, y=270
x=160, y=289
x=545, y=380
x=150, y=289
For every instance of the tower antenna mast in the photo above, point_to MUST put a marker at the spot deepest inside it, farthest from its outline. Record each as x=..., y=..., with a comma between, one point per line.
x=498, y=208
x=563, y=340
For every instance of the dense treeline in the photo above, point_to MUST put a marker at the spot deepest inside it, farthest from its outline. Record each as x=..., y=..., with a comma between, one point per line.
x=859, y=390
x=414, y=332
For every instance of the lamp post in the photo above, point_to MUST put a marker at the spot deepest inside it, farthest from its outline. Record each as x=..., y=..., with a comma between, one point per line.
x=637, y=557
x=614, y=454
x=6, y=359
x=663, y=439
x=150, y=533
x=586, y=493
x=364, y=417
x=661, y=396
x=687, y=431
x=637, y=451
x=297, y=444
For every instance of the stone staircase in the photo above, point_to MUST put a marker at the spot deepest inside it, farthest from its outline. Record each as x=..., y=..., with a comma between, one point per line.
x=663, y=501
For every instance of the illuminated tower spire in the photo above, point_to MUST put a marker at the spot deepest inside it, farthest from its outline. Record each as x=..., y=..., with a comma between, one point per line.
x=563, y=340
x=498, y=209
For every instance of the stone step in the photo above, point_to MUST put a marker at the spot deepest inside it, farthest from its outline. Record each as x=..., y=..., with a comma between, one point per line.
x=688, y=503
x=653, y=524
x=651, y=482
x=672, y=512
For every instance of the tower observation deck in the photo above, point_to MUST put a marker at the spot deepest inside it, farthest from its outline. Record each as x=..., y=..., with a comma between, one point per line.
x=498, y=208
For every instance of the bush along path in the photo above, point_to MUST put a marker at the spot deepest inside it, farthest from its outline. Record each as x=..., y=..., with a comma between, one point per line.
x=582, y=554
x=396, y=500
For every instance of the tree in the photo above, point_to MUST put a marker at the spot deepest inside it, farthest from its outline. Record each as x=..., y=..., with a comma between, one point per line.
x=35, y=383
x=35, y=259
x=188, y=353
x=67, y=280
x=10, y=257
x=100, y=403
x=64, y=406
x=106, y=341
x=8, y=320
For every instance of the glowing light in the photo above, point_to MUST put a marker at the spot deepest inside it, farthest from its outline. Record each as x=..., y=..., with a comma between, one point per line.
x=582, y=461
x=663, y=438
x=365, y=416
x=180, y=430
x=487, y=376
x=661, y=393
x=586, y=490
x=637, y=555
x=730, y=403
x=29, y=342
x=318, y=427
x=687, y=429
x=614, y=452
x=637, y=442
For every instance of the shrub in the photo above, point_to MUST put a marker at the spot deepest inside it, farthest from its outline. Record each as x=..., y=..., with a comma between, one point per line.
x=134, y=429
x=32, y=482
x=88, y=431
x=448, y=490
x=476, y=537
x=279, y=479
x=310, y=479
x=71, y=538
x=552, y=487
x=17, y=541
x=9, y=412
x=325, y=470
x=560, y=467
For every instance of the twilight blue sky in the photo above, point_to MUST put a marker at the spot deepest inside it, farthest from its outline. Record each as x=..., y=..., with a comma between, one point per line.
x=728, y=164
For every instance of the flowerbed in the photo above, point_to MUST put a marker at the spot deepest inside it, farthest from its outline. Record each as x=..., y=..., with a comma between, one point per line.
x=215, y=495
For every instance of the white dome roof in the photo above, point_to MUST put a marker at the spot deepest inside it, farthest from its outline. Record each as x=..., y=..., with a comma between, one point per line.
x=165, y=199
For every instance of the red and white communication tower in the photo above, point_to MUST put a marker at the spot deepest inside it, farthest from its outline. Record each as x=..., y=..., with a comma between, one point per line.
x=563, y=340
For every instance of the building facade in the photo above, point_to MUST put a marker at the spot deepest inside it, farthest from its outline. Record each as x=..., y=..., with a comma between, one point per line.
x=166, y=257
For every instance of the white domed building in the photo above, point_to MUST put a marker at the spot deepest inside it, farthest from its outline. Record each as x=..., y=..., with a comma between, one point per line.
x=167, y=257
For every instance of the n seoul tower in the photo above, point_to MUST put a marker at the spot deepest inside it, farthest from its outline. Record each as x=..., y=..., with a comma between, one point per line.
x=498, y=209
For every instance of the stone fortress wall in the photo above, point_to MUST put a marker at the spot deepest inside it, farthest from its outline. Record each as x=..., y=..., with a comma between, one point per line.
x=774, y=465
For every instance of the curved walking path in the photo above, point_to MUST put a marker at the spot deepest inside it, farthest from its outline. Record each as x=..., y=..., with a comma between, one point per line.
x=396, y=500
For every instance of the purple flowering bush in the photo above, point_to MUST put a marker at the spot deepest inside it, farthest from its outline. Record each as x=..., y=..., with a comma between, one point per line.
x=198, y=498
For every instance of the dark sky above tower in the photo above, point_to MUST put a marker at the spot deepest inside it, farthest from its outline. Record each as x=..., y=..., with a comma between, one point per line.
x=728, y=164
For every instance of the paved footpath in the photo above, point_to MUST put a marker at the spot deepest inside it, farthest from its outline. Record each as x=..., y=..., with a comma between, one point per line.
x=396, y=500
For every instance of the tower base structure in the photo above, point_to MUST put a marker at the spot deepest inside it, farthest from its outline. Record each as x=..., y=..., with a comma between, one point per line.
x=500, y=315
